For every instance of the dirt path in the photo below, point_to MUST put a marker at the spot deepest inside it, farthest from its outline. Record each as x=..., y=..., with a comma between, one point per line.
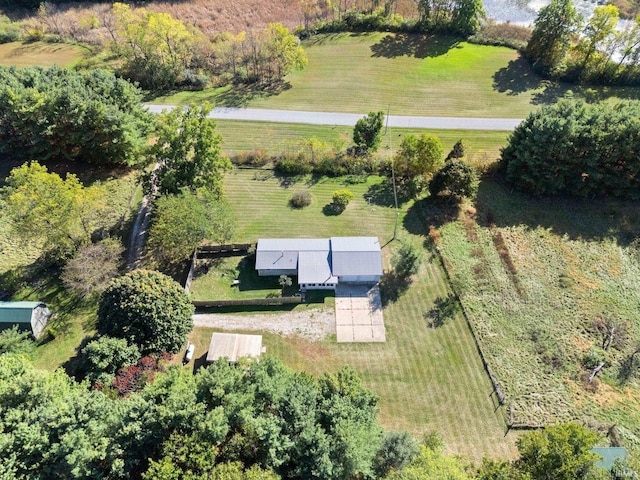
x=312, y=324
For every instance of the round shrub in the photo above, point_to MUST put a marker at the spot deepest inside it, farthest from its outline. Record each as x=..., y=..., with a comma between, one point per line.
x=148, y=309
x=300, y=200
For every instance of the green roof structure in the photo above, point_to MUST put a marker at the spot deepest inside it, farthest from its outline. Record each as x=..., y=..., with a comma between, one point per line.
x=27, y=315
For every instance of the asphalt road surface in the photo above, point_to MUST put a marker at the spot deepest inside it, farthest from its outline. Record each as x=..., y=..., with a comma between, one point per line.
x=349, y=119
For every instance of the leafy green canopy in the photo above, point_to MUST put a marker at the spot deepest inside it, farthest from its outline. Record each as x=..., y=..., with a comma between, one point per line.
x=148, y=309
x=367, y=133
x=188, y=152
x=45, y=209
x=261, y=418
x=578, y=149
x=551, y=36
x=61, y=115
x=455, y=178
x=181, y=222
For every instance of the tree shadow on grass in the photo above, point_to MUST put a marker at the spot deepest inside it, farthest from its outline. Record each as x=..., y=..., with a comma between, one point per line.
x=444, y=309
x=413, y=45
x=381, y=194
x=576, y=218
x=516, y=78
x=392, y=287
x=240, y=95
x=430, y=212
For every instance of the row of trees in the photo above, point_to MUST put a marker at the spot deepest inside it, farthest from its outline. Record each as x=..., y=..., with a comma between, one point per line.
x=563, y=45
x=257, y=421
x=578, y=149
x=161, y=52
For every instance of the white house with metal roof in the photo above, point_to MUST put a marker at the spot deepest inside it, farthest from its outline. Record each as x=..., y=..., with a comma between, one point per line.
x=321, y=263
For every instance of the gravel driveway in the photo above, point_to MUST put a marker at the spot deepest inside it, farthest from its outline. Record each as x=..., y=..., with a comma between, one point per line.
x=312, y=324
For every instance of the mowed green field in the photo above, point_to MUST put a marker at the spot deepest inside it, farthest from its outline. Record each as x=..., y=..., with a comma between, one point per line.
x=407, y=74
x=42, y=54
x=427, y=378
x=276, y=138
x=574, y=261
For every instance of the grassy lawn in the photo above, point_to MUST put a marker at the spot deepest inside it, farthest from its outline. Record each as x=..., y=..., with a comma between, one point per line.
x=571, y=262
x=409, y=74
x=215, y=281
x=274, y=138
x=427, y=378
x=260, y=202
x=42, y=54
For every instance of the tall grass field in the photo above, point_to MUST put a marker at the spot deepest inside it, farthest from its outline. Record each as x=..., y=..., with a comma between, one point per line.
x=536, y=277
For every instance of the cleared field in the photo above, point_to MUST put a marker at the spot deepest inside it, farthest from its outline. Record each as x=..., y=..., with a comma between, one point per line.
x=274, y=138
x=535, y=276
x=41, y=54
x=410, y=75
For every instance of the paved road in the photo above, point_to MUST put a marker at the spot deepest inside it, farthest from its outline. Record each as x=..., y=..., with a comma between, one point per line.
x=349, y=119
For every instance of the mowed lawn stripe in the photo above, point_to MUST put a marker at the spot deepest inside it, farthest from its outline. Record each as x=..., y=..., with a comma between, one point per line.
x=427, y=378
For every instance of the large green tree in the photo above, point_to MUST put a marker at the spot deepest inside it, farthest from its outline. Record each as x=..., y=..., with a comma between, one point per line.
x=181, y=222
x=600, y=26
x=45, y=209
x=148, y=309
x=156, y=49
x=62, y=115
x=188, y=152
x=551, y=37
x=456, y=178
x=418, y=158
x=578, y=149
x=561, y=452
x=367, y=133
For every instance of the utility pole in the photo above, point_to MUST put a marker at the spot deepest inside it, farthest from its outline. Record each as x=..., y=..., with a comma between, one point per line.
x=393, y=176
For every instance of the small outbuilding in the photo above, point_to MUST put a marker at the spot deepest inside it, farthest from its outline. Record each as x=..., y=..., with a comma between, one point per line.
x=233, y=346
x=31, y=316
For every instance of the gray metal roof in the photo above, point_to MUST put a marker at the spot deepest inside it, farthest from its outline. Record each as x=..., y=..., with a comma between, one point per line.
x=17, y=312
x=282, y=253
x=356, y=256
x=355, y=244
x=357, y=263
x=315, y=267
x=317, y=260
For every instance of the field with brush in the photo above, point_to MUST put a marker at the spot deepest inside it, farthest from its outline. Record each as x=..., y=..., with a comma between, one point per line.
x=28, y=278
x=536, y=277
x=409, y=75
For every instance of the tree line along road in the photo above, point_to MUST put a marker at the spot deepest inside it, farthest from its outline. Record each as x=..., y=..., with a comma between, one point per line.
x=350, y=119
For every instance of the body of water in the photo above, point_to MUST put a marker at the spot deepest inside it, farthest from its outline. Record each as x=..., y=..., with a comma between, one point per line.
x=524, y=12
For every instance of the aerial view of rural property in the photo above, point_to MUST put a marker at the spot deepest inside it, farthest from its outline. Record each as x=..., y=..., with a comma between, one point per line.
x=320, y=239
